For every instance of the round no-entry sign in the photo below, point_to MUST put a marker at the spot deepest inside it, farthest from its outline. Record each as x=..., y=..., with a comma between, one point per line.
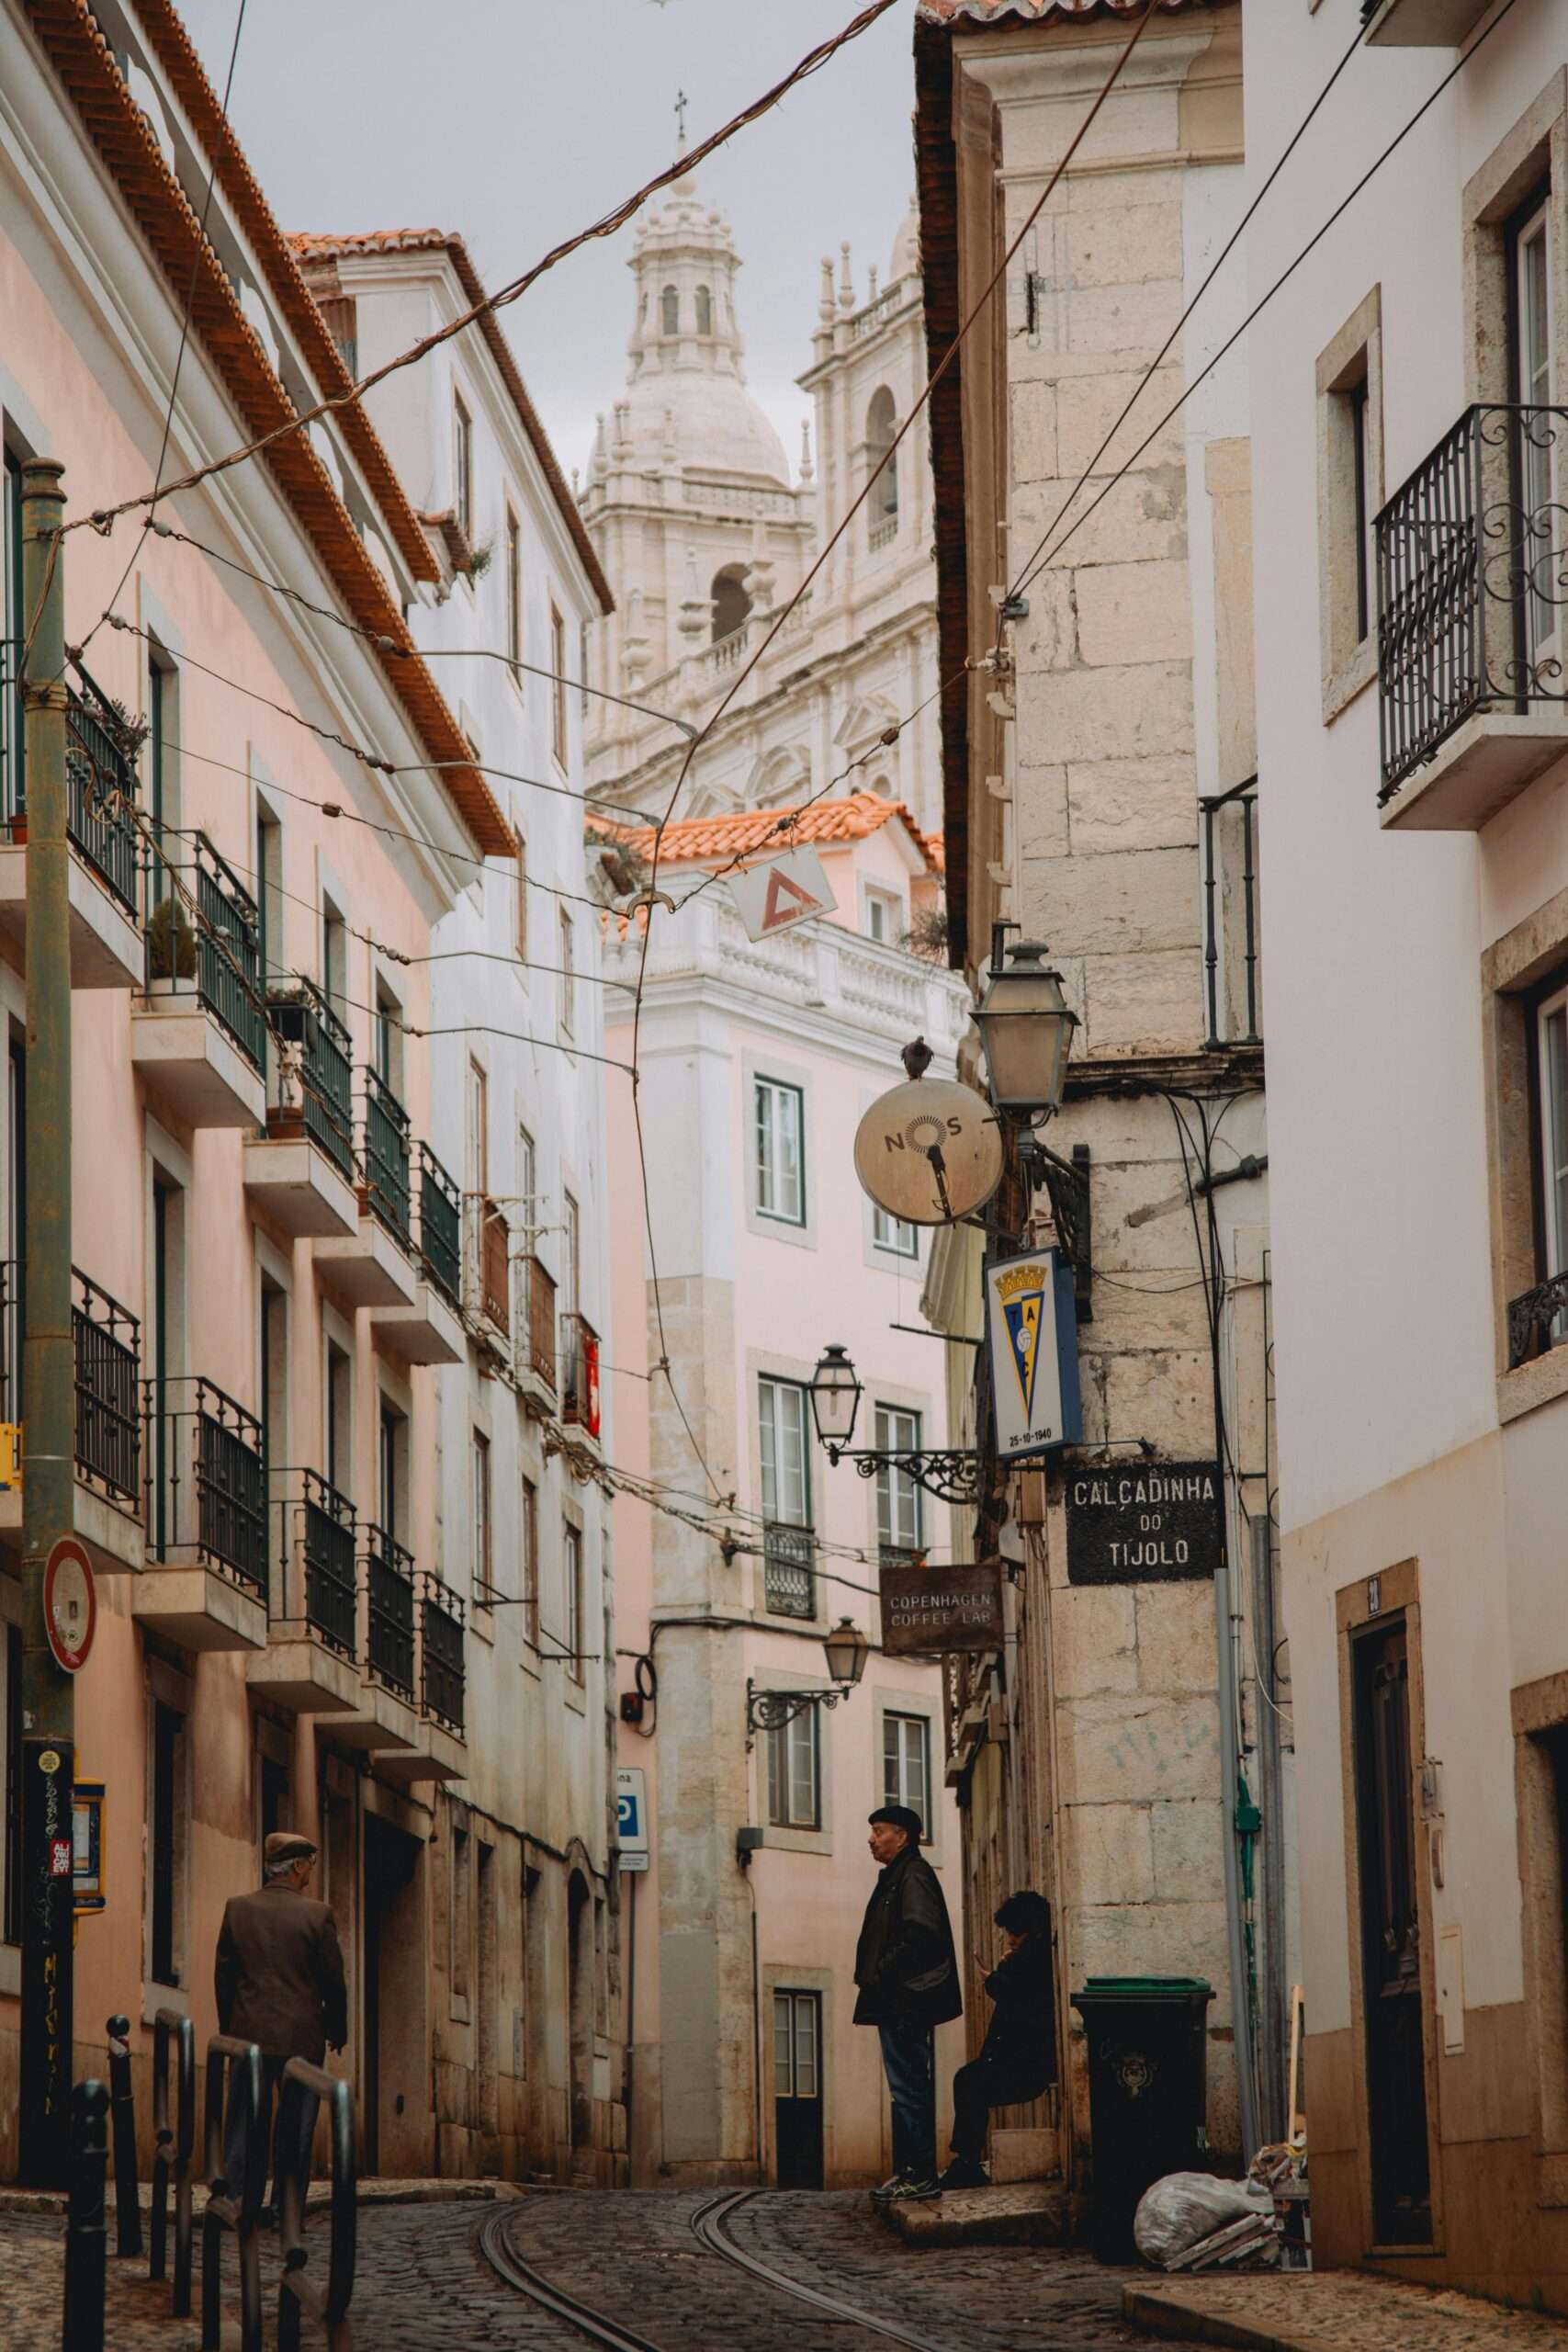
x=69, y=1604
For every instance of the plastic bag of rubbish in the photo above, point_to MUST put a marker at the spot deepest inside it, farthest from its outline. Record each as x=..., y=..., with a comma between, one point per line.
x=1186, y=2207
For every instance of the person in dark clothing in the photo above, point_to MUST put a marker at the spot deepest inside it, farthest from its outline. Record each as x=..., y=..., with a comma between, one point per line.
x=1018, y=2057
x=908, y=1975
x=279, y=1981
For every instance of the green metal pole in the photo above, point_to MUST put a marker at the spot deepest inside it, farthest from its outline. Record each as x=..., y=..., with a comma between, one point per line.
x=48, y=1360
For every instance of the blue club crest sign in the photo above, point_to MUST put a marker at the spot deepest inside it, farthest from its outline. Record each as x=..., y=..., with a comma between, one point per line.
x=1032, y=1331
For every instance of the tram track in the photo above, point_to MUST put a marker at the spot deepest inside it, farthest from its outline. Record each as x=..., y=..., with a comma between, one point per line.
x=709, y=2226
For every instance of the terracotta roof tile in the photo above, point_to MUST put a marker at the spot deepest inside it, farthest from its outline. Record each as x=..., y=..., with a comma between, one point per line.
x=315, y=247
x=692, y=840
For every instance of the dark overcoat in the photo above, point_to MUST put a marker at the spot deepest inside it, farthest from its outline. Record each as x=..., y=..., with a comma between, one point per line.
x=280, y=1973
x=904, y=1963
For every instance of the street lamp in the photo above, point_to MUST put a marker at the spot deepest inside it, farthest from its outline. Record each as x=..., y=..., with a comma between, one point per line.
x=1026, y=1027
x=846, y=1650
x=951, y=1473
x=835, y=1394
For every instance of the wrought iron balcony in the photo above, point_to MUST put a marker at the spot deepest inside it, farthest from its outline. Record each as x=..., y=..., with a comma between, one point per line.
x=440, y=1226
x=386, y=1154
x=314, y=1047
x=1230, y=915
x=441, y=1653
x=218, y=954
x=541, y=1290
x=1537, y=1320
x=1472, y=582
x=206, y=1479
x=101, y=779
x=580, y=1374
x=389, y=1612
x=789, y=1588
x=107, y=1340
x=322, y=1526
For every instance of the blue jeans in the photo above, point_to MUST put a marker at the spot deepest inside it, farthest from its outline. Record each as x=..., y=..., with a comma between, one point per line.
x=908, y=2063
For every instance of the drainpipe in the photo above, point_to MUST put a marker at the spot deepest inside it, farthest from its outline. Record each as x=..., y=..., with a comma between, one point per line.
x=1241, y=2021
x=49, y=1377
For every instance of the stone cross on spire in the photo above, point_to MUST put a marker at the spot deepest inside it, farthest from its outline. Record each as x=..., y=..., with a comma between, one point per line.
x=682, y=103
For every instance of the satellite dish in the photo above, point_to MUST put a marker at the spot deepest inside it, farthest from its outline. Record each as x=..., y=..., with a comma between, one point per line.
x=929, y=1152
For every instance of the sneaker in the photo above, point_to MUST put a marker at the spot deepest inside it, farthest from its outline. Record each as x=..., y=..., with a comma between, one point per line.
x=891, y=2187
x=915, y=2189
x=963, y=2175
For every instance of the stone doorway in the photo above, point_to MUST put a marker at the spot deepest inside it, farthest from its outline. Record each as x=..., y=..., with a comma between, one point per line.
x=580, y=1962
x=392, y=2101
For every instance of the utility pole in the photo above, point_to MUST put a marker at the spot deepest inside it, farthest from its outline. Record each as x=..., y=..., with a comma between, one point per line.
x=48, y=1356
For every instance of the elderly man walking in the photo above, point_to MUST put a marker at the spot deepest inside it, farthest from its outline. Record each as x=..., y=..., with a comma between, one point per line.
x=908, y=1975
x=279, y=1979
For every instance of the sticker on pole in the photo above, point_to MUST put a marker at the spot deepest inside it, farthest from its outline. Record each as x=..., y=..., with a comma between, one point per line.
x=786, y=890
x=69, y=1604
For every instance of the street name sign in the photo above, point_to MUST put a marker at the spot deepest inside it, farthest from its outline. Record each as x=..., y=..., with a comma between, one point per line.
x=929, y=1152
x=631, y=1816
x=1033, y=1329
x=928, y=1610
x=786, y=891
x=1150, y=1523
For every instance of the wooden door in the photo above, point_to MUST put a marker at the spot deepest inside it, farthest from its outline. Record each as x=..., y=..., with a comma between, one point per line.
x=798, y=2089
x=1393, y=1963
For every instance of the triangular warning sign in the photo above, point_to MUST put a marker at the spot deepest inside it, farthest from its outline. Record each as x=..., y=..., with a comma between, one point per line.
x=787, y=902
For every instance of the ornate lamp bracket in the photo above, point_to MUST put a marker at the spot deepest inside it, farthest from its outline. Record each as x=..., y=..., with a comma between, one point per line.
x=771, y=1710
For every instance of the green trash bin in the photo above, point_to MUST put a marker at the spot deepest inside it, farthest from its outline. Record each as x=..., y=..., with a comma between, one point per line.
x=1147, y=2081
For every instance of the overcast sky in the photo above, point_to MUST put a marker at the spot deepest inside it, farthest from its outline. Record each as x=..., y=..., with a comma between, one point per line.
x=518, y=121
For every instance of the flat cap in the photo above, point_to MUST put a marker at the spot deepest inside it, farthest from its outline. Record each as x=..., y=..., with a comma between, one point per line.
x=287, y=1846
x=900, y=1816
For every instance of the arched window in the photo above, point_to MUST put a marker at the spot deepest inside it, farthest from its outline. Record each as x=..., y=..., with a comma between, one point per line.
x=670, y=311
x=705, y=311
x=880, y=424
x=730, y=602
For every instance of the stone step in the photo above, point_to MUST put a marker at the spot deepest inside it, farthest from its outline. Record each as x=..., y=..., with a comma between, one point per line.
x=1022, y=2212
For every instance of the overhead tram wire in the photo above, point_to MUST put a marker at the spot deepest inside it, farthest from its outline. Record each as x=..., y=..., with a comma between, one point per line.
x=1044, y=555
x=102, y=519
x=933, y=379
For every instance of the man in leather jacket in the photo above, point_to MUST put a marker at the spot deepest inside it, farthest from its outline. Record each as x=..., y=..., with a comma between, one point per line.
x=908, y=1975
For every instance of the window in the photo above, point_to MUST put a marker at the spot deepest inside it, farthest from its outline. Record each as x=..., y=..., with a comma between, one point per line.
x=571, y=1257
x=894, y=1234
x=339, y=1418
x=779, y=1117
x=572, y=1552
x=898, y=1523
x=462, y=1912
x=528, y=1546
x=789, y=1585
x=161, y=809
x=334, y=958
x=166, y=1797
x=794, y=1799
x=476, y=1186
x=514, y=595
x=463, y=467
x=528, y=1218
x=480, y=1518
x=1349, y=468
x=1551, y=1051
x=705, y=311
x=386, y=1039
x=558, y=686
x=268, y=880
x=12, y=750
x=881, y=431
x=731, y=601
x=567, y=974
x=798, y=2048
x=669, y=312
x=582, y=669
x=392, y=1476
x=884, y=916
x=1530, y=371
x=907, y=1766
x=521, y=901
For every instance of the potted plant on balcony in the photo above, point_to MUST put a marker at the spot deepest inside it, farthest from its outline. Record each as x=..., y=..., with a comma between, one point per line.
x=171, y=947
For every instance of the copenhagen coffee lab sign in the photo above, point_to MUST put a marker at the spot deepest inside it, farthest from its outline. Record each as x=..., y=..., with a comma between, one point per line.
x=1150, y=1523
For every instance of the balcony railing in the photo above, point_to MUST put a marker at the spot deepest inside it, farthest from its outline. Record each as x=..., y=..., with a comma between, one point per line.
x=1472, y=582
x=206, y=1479
x=101, y=781
x=789, y=1588
x=579, y=1373
x=541, y=1323
x=317, y=1045
x=440, y=1225
x=441, y=1653
x=1230, y=915
x=389, y=1612
x=386, y=1154
x=224, y=959
x=319, y=1539
x=107, y=1340
x=1537, y=1320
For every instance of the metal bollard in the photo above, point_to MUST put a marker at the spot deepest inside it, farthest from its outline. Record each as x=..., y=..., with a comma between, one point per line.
x=174, y=2145
x=237, y=2066
x=301, y=2093
x=86, y=2232
x=122, y=2111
